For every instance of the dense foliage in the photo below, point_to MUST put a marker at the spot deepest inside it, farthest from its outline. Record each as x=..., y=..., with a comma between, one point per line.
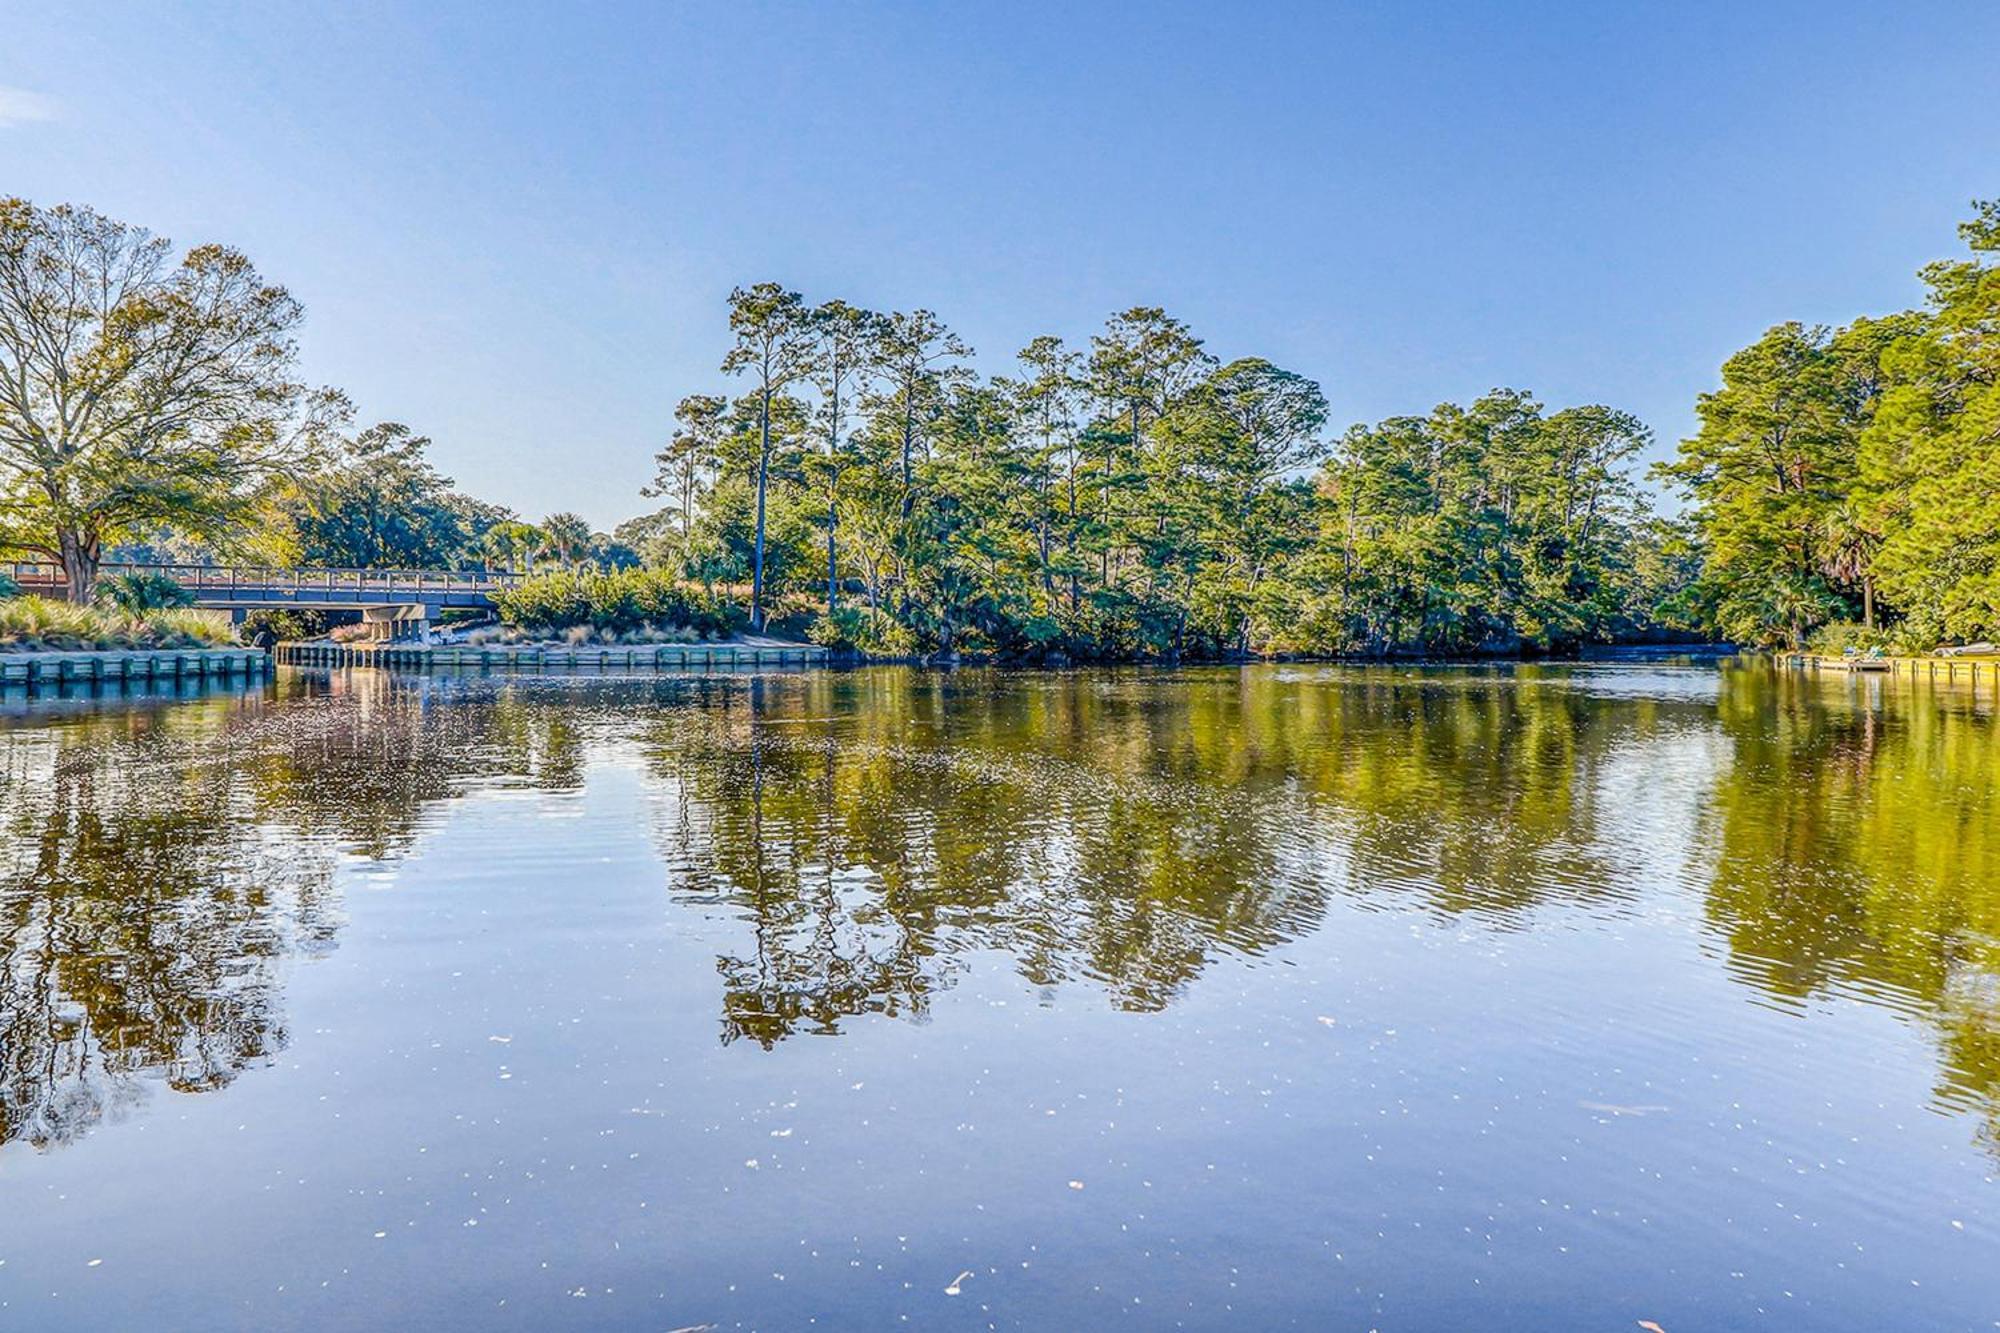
x=1140, y=498
x=618, y=601
x=1849, y=475
x=373, y=501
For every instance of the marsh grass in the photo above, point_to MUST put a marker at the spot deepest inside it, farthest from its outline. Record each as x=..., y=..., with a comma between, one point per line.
x=38, y=624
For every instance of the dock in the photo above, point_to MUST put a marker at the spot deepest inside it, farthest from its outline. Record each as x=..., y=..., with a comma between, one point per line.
x=50, y=670
x=664, y=657
x=1969, y=669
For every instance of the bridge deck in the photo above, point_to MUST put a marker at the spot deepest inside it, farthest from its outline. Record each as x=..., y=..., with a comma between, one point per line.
x=249, y=586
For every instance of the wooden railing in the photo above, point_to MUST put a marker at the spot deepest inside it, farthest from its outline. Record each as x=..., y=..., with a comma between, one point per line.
x=33, y=574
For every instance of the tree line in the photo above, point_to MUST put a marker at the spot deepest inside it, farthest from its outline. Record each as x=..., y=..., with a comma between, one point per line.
x=1846, y=481
x=1139, y=496
x=851, y=474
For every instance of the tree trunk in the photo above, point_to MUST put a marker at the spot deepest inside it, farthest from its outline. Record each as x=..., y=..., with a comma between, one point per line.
x=81, y=553
x=763, y=473
x=832, y=562
x=909, y=442
x=1868, y=601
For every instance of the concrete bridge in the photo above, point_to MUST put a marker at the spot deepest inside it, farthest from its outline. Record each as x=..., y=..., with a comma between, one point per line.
x=399, y=601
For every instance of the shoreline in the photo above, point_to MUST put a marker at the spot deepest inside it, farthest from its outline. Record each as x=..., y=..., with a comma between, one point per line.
x=41, y=668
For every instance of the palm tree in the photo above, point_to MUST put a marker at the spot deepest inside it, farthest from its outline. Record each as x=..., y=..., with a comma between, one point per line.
x=1848, y=555
x=566, y=536
x=513, y=541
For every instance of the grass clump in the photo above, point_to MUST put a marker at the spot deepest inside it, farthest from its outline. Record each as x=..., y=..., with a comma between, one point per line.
x=38, y=624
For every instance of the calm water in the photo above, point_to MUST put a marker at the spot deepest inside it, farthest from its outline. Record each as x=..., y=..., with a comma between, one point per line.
x=1287, y=997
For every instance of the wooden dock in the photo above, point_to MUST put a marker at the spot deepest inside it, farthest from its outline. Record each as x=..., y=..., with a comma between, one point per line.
x=1972, y=670
x=40, y=670
x=663, y=657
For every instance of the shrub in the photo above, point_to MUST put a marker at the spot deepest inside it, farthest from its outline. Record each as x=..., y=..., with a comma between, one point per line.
x=8, y=588
x=184, y=627
x=862, y=628
x=285, y=623
x=137, y=593
x=616, y=602
x=840, y=628
x=30, y=623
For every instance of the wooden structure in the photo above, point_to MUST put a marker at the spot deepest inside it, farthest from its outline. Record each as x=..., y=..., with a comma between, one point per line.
x=1970, y=669
x=40, y=670
x=554, y=657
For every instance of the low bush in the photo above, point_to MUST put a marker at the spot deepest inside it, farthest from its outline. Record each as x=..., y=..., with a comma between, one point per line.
x=29, y=624
x=285, y=623
x=863, y=629
x=185, y=627
x=616, y=602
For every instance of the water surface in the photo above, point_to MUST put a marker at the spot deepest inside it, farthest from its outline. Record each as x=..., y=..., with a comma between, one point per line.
x=1302, y=997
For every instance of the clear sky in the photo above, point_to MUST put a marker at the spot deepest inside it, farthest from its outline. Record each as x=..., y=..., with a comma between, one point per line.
x=514, y=226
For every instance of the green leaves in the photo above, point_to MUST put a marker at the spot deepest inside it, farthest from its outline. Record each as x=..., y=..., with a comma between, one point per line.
x=1848, y=474
x=135, y=391
x=1478, y=528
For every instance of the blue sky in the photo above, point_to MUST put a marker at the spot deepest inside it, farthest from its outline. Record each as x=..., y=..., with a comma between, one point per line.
x=514, y=226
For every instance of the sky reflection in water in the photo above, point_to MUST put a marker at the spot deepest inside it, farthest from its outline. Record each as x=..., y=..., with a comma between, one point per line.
x=1292, y=996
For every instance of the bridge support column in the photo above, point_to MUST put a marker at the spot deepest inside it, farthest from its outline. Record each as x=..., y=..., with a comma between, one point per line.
x=407, y=621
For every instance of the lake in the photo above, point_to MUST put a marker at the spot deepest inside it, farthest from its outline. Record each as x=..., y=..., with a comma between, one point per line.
x=1281, y=997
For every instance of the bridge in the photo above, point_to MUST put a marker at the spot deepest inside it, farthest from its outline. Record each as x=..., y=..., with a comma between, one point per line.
x=395, y=599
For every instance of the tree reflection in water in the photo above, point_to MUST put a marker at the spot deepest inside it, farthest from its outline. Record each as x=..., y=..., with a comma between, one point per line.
x=159, y=861
x=872, y=834
x=876, y=830
x=1857, y=853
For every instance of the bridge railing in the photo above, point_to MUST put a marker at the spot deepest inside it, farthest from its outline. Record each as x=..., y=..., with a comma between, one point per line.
x=33, y=574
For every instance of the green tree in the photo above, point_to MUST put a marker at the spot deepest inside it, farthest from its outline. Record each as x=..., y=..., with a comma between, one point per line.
x=684, y=470
x=513, y=544
x=1258, y=425
x=774, y=347
x=1150, y=500
x=847, y=341
x=1932, y=450
x=1777, y=454
x=1046, y=400
x=1477, y=528
x=567, y=537
x=135, y=390
x=375, y=503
